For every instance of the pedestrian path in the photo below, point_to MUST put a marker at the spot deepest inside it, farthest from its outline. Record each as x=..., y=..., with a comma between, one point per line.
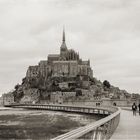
x=128, y=128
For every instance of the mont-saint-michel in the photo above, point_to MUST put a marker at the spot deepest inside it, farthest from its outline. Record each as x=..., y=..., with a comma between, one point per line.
x=65, y=84
x=65, y=78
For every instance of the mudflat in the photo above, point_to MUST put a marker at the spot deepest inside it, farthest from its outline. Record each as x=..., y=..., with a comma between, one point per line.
x=39, y=124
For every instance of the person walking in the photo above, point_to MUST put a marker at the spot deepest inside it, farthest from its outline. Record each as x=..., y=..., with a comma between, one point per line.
x=139, y=108
x=134, y=109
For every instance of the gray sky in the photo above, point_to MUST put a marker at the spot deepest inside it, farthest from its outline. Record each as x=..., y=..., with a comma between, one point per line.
x=105, y=31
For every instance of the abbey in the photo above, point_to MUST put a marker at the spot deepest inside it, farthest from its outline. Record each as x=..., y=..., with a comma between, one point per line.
x=66, y=64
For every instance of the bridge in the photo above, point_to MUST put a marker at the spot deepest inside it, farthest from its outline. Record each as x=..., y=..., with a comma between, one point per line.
x=128, y=128
x=106, y=128
x=102, y=129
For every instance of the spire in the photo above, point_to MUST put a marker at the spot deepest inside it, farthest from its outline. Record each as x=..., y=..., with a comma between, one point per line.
x=63, y=45
x=63, y=35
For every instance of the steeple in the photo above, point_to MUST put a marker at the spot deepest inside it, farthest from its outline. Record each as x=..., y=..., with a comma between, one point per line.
x=63, y=46
x=63, y=35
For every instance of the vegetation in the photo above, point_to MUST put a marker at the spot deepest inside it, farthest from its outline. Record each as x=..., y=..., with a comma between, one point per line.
x=106, y=84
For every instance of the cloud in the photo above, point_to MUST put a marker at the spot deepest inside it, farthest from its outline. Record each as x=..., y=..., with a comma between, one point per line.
x=106, y=32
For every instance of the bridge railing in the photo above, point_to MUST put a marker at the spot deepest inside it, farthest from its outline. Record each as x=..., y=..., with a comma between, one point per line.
x=69, y=108
x=99, y=130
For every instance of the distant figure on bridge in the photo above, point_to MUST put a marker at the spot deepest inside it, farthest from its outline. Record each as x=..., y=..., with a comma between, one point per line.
x=134, y=109
x=139, y=108
x=97, y=104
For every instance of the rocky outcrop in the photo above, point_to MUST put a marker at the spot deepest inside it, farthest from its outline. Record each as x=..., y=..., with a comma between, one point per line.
x=63, y=72
x=30, y=96
x=34, y=90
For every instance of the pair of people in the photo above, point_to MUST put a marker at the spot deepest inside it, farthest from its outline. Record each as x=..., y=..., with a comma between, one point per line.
x=134, y=109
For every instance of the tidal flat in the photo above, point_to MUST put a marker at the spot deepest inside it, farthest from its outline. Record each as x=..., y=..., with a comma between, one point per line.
x=39, y=124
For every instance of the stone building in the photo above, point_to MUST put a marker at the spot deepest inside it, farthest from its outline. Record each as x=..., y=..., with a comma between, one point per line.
x=67, y=63
x=61, y=97
x=8, y=98
x=1, y=101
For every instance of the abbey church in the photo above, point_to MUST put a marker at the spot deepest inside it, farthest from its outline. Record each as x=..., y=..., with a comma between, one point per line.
x=66, y=64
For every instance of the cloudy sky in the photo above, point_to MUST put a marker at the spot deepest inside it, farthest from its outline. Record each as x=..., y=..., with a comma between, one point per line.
x=105, y=31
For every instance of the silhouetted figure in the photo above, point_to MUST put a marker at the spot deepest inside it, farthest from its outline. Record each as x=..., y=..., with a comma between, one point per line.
x=97, y=104
x=139, y=108
x=134, y=109
x=114, y=104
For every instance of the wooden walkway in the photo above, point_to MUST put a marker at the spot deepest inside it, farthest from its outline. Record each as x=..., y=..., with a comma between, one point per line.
x=128, y=128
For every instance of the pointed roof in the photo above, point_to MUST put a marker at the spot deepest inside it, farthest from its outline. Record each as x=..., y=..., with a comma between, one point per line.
x=63, y=46
x=63, y=39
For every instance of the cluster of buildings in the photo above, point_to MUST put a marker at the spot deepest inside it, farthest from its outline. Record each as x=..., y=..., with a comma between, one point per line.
x=65, y=67
x=67, y=63
x=7, y=99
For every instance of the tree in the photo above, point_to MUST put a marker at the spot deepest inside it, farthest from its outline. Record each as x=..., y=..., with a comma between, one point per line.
x=34, y=82
x=23, y=80
x=78, y=93
x=106, y=84
x=17, y=86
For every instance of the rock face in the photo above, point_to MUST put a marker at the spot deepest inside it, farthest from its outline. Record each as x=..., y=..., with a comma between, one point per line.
x=65, y=73
x=30, y=96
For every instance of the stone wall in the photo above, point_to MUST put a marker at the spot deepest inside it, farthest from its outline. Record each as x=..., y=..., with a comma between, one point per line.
x=61, y=97
x=65, y=68
x=63, y=85
x=83, y=69
x=83, y=103
x=117, y=102
x=56, y=97
x=43, y=68
x=60, y=68
x=103, y=102
x=33, y=71
x=8, y=99
x=1, y=101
